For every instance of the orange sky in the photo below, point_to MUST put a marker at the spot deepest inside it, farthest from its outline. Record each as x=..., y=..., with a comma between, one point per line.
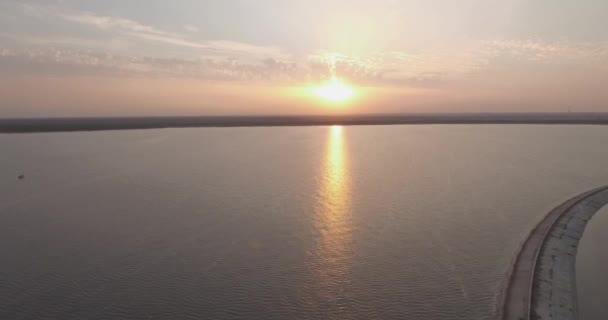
x=86, y=58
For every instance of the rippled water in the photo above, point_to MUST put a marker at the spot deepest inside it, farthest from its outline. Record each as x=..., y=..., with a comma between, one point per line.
x=377, y=222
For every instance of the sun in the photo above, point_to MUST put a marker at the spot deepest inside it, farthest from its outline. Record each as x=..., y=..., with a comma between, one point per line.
x=334, y=90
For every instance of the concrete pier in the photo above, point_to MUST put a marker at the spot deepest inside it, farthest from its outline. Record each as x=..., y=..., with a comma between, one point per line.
x=542, y=283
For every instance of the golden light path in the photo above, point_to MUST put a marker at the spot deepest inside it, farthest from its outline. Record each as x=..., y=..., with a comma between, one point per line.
x=334, y=90
x=333, y=220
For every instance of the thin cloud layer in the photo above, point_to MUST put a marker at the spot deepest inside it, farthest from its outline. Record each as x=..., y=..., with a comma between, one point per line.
x=122, y=27
x=377, y=69
x=549, y=52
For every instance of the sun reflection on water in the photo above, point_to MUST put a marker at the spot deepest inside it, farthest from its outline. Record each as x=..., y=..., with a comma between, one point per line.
x=334, y=223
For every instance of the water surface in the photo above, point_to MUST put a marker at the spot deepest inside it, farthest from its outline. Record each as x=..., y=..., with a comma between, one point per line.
x=591, y=266
x=370, y=222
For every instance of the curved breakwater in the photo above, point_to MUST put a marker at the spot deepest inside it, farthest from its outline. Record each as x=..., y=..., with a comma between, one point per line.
x=542, y=281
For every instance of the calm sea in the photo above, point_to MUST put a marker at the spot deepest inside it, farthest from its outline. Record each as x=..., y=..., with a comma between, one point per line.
x=591, y=266
x=375, y=222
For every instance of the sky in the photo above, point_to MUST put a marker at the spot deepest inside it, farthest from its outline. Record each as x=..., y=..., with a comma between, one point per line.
x=252, y=57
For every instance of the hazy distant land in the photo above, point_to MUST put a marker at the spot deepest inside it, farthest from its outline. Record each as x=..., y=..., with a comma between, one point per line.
x=16, y=125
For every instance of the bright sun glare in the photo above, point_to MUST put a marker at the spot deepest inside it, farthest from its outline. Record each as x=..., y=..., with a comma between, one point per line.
x=334, y=91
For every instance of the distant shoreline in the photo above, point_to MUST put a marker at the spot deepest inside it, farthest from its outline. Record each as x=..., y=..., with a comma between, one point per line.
x=26, y=125
x=542, y=280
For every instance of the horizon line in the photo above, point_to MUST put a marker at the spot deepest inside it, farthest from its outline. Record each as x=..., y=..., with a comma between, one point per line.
x=102, y=123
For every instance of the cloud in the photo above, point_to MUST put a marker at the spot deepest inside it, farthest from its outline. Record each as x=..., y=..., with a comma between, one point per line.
x=396, y=67
x=119, y=26
x=70, y=61
x=191, y=28
x=547, y=52
x=145, y=32
x=377, y=69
